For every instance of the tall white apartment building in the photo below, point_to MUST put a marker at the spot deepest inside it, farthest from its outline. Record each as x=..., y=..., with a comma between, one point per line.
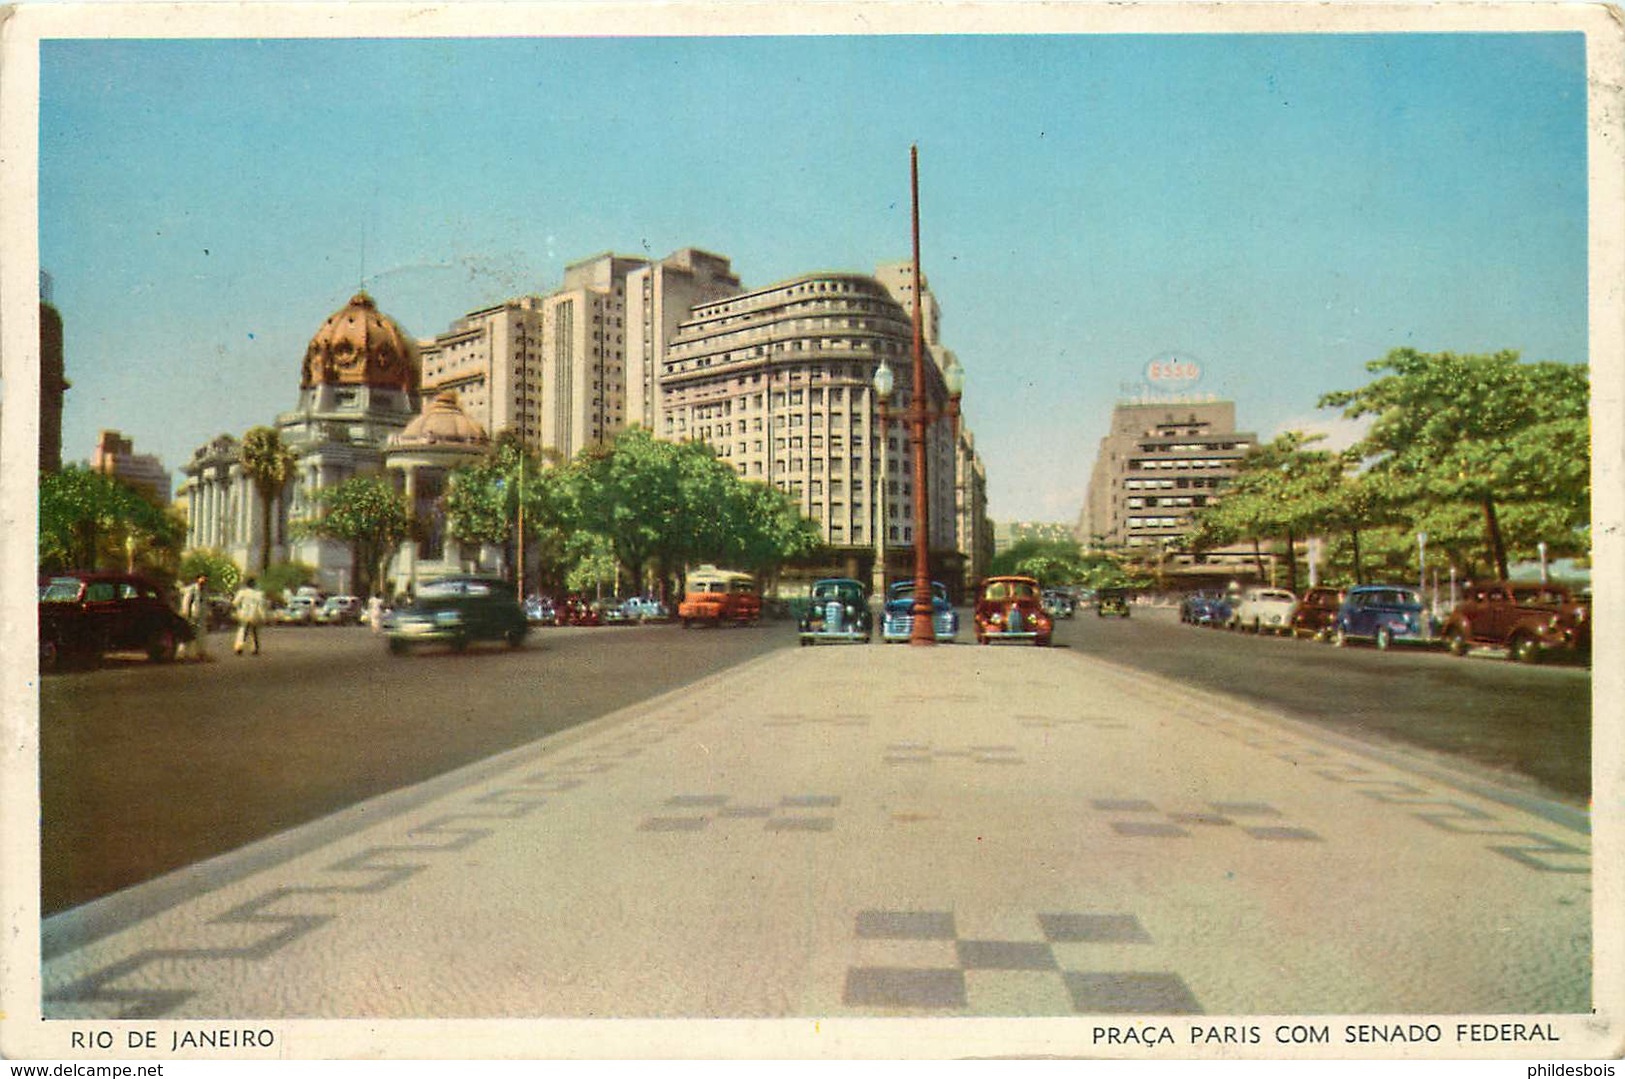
x=659, y=297
x=492, y=358
x=583, y=371
x=779, y=381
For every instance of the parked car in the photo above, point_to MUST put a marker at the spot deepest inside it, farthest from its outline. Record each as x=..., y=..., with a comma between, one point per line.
x=457, y=611
x=1111, y=601
x=1383, y=614
x=300, y=610
x=898, y=624
x=717, y=596
x=1196, y=608
x=1264, y=610
x=574, y=610
x=837, y=610
x=539, y=610
x=1530, y=621
x=647, y=609
x=1317, y=613
x=84, y=615
x=1059, y=603
x=339, y=611
x=1009, y=609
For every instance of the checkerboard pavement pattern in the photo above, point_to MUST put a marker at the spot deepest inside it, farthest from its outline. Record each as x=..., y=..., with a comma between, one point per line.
x=916, y=961
x=697, y=812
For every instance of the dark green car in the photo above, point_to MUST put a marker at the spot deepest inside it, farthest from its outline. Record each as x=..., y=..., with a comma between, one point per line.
x=1112, y=601
x=457, y=611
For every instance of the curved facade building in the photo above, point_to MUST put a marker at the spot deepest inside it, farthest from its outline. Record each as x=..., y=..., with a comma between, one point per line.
x=779, y=380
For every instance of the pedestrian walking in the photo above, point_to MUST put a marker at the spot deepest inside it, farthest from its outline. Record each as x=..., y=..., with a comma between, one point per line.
x=375, y=613
x=249, y=606
x=195, y=609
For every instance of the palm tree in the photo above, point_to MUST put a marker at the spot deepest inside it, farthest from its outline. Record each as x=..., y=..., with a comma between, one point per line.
x=270, y=464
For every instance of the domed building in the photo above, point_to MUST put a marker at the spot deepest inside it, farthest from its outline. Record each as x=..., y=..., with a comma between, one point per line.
x=358, y=387
x=440, y=439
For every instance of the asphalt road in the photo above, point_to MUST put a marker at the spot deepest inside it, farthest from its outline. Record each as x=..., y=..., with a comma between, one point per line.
x=145, y=768
x=1529, y=725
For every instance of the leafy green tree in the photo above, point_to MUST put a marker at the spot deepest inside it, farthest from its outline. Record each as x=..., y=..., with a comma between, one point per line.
x=85, y=518
x=269, y=464
x=482, y=504
x=284, y=577
x=1485, y=430
x=665, y=505
x=217, y=566
x=367, y=514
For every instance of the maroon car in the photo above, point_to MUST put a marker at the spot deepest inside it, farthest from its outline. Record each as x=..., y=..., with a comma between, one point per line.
x=1316, y=613
x=1012, y=609
x=1530, y=621
x=84, y=615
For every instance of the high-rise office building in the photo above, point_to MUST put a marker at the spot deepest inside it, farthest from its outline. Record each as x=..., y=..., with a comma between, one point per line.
x=1160, y=462
x=115, y=456
x=659, y=297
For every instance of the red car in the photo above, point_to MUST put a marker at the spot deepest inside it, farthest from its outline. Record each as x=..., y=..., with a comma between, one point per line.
x=83, y=615
x=1012, y=609
x=1530, y=621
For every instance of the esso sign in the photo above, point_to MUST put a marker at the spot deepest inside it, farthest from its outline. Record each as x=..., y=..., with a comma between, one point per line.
x=1173, y=371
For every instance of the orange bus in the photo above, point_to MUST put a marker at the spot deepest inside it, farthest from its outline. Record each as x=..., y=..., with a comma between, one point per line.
x=717, y=596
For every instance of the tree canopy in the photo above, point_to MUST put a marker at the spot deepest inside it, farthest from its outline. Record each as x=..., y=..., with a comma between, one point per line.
x=85, y=518
x=1484, y=430
x=367, y=514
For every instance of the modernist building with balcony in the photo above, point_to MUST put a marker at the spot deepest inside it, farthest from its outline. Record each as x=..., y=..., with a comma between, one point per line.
x=1160, y=462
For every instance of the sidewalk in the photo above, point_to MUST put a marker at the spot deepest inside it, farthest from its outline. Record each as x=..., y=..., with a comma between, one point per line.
x=877, y=831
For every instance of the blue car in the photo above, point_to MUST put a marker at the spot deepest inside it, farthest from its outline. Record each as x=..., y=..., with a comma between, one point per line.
x=899, y=620
x=1204, y=609
x=1385, y=615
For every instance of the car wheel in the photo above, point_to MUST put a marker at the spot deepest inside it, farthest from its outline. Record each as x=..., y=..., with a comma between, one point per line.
x=161, y=648
x=688, y=623
x=1524, y=649
x=1457, y=643
x=397, y=647
x=1041, y=642
x=459, y=644
x=515, y=638
x=50, y=654
x=1258, y=627
x=1385, y=639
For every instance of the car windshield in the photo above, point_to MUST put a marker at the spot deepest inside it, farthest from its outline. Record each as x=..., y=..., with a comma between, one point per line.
x=905, y=590
x=61, y=590
x=1392, y=597
x=438, y=589
x=1540, y=597
x=841, y=590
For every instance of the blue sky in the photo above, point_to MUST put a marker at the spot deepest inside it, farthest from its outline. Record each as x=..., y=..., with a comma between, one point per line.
x=1281, y=208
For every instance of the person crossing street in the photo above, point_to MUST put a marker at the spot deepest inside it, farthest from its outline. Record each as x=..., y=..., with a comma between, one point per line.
x=248, y=605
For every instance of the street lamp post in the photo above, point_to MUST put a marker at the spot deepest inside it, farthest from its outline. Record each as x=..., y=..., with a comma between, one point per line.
x=917, y=415
x=882, y=391
x=1422, y=561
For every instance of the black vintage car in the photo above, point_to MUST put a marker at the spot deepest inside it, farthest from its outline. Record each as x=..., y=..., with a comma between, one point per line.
x=458, y=611
x=1112, y=601
x=837, y=610
x=84, y=615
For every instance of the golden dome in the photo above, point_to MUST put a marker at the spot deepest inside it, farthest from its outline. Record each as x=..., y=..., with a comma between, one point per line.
x=361, y=346
x=442, y=421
